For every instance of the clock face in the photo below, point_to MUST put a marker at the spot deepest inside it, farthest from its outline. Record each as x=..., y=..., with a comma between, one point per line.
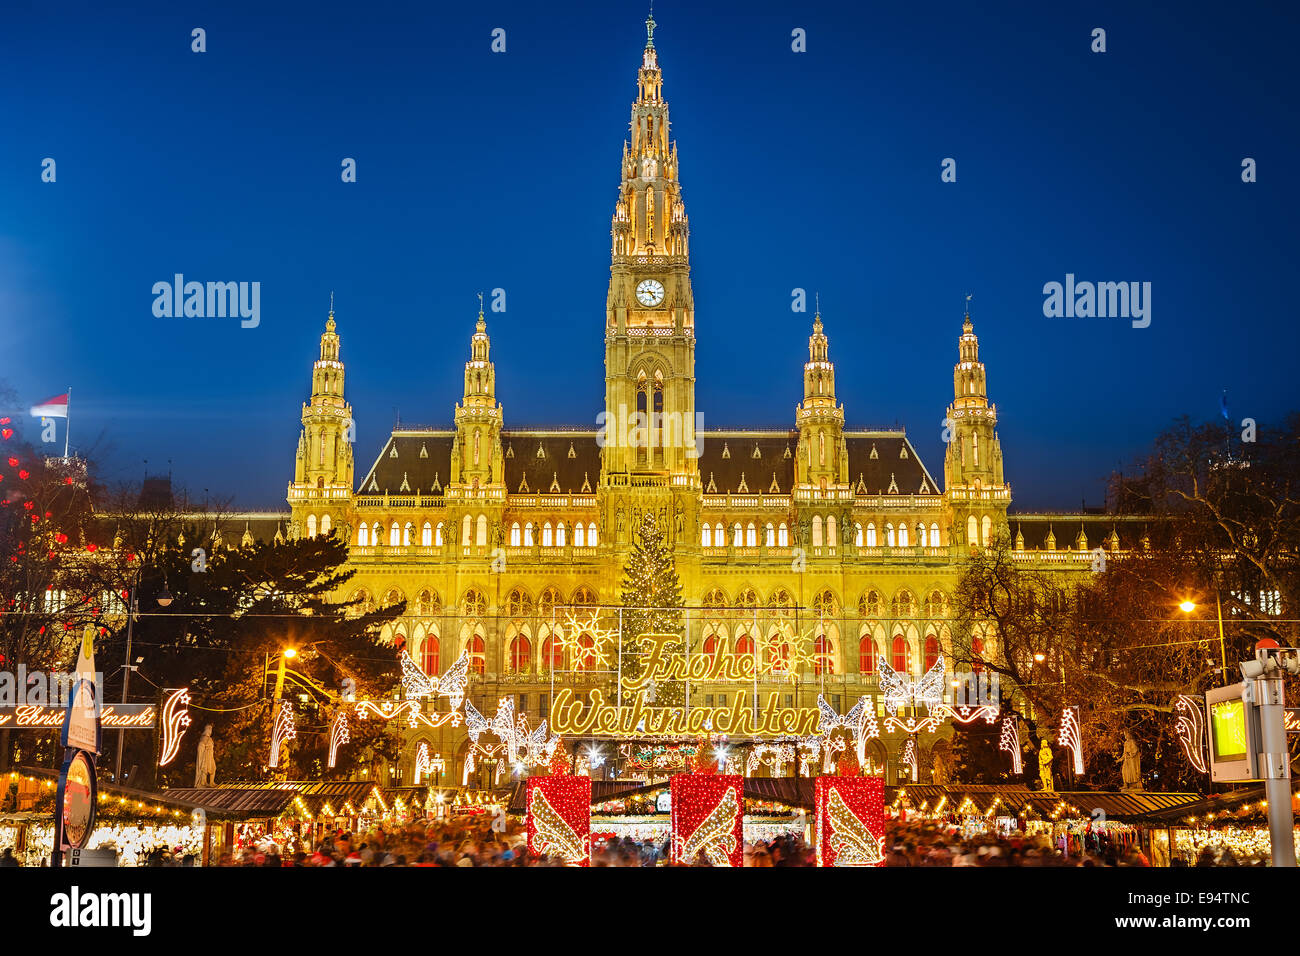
x=650, y=292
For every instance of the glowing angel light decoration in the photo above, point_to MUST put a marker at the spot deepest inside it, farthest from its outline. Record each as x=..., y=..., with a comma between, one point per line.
x=339, y=735
x=452, y=684
x=1069, y=736
x=899, y=691
x=283, y=730
x=1009, y=741
x=860, y=722
x=1190, y=727
x=854, y=844
x=715, y=837
x=415, y=682
x=810, y=749
x=503, y=725
x=175, y=718
x=774, y=755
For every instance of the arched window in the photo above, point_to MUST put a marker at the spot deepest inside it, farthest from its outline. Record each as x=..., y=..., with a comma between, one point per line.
x=429, y=659
x=889, y=534
x=738, y=536
x=546, y=535
x=715, y=599
x=363, y=535
x=869, y=604
x=781, y=602
x=823, y=655
x=871, y=534
x=921, y=538
x=769, y=538
x=579, y=535
x=407, y=531
x=482, y=530
x=467, y=531
x=591, y=535
x=515, y=535
x=426, y=535
x=744, y=646
x=375, y=538
x=782, y=536
x=584, y=597
x=711, y=644
x=902, y=536
x=972, y=531
x=437, y=536
x=559, y=535
x=552, y=653
x=857, y=534
x=904, y=604
x=477, y=655
x=751, y=536
x=931, y=651
x=934, y=535
x=817, y=531
x=867, y=655
x=518, y=603
x=586, y=653
x=706, y=536
x=325, y=524
x=547, y=602
x=394, y=535
x=747, y=598
x=984, y=533
x=521, y=655
x=427, y=603
x=977, y=649
x=825, y=605
x=902, y=655
x=831, y=539
x=528, y=535
x=475, y=604
x=719, y=536
x=311, y=526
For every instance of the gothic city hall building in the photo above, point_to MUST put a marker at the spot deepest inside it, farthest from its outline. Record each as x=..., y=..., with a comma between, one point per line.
x=816, y=550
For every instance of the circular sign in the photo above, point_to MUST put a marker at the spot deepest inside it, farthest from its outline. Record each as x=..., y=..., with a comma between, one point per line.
x=79, y=801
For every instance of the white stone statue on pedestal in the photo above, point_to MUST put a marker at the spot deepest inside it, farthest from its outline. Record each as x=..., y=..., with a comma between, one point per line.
x=205, y=765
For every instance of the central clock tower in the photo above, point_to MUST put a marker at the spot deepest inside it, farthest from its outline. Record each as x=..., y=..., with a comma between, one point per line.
x=649, y=428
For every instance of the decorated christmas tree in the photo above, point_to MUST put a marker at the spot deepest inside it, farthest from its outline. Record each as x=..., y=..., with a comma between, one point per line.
x=652, y=596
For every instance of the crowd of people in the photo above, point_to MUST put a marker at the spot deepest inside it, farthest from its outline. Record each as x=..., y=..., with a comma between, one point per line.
x=479, y=843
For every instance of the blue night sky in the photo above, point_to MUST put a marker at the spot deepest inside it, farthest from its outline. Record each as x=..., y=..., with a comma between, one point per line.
x=477, y=170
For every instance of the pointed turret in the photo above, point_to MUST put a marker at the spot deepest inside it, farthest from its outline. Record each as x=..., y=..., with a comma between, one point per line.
x=476, y=458
x=822, y=460
x=323, y=470
x=975, y=489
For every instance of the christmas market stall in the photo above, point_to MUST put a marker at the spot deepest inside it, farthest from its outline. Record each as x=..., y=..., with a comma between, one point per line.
x=132, y=824
x=1076, y=822
x=1220, y=829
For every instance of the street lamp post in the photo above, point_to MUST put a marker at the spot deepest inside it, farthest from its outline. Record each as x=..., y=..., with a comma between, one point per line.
x=1188, y=606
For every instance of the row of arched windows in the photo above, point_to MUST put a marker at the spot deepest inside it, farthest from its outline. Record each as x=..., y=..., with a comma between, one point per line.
x=325, y=527
x=896, y=536
x=744, y=536
x=584, y=536
x=404, y=535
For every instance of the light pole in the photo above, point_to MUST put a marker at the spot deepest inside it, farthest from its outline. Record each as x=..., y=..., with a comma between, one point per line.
x=1188, y=606
x=164, y=600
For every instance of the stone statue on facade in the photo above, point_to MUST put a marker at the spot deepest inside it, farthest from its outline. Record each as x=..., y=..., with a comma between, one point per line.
x=205, y=764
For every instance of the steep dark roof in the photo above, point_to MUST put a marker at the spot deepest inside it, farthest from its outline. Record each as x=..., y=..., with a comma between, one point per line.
x=551, y=462
x=410, y=462
x=895, y=467
x=1065, y=527
x=728, y=461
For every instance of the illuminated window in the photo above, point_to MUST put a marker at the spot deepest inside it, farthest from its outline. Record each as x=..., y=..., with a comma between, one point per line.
x=706, y=536
x=407, y=531
x=591, y=535
x=311, y=526
x=782, y=536
x=867, y=655
x=817, y=531
x=429, y=656
x=426, y=535
x=823, y=655
x=559, y=535
x=546, y=535
x=902, y=536
x=363, y=535
x=586, y=653
x=394, y=535
x=751, y=536
x=902, y=655
x=521, y=655
x=528, y=535
x=552, y=653
x=482, y=530
x=931, y=651
x=857, y=534
x=477, y=655
x=516, y=536
x=738, y=538
x=325, y=524
x=871, y=535
x=579, y=535
x=769, y=538
x=934, y=536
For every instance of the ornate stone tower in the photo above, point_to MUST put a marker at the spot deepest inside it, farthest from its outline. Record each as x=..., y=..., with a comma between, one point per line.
x=974, y=490
x=322, y=476
x=476, y=458
x=822, y=461
x=649, y=435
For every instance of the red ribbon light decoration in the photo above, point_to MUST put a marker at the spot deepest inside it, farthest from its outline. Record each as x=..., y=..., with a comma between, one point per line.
x=708, y=818
x=850, y=821
x=559, y=818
